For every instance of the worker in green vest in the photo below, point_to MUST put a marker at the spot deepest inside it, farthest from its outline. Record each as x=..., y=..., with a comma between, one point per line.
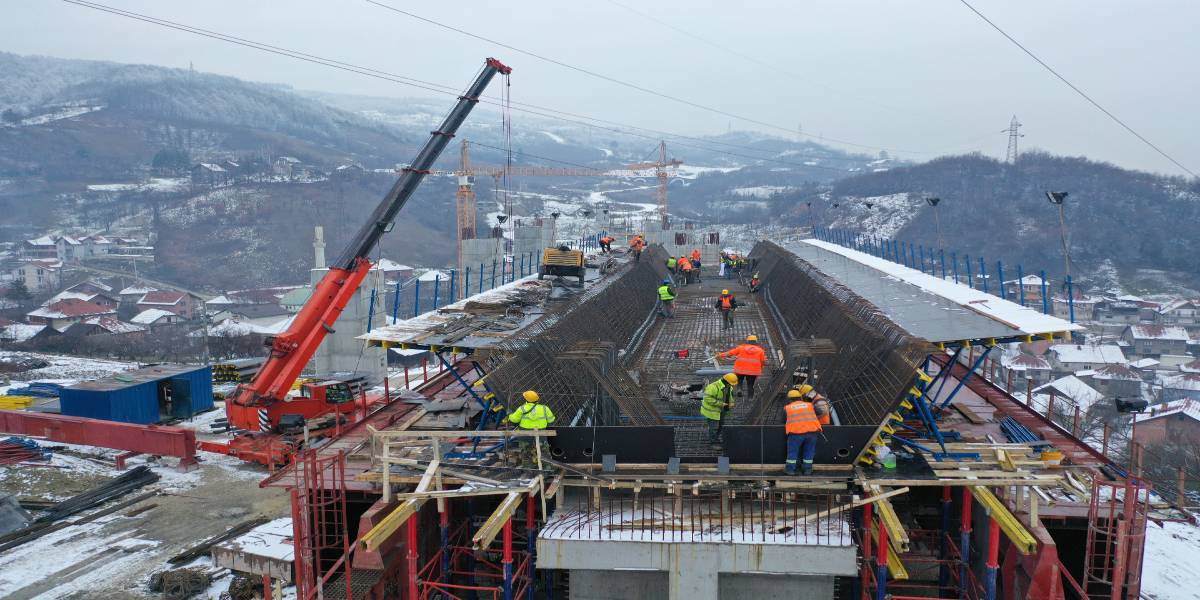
x=717, y=401
x=671, y=264
x=666, y=295
x=531, y=416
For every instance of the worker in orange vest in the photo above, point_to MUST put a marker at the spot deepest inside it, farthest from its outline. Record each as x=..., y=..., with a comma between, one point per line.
x=749, y=359
x=726, y=303
x=685, y=270
x=637, y=245
x=606, y=244
x=802, y=428
x=696, y=263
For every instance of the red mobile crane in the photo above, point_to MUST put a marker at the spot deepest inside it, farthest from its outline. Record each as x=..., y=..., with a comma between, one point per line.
x=259, y=405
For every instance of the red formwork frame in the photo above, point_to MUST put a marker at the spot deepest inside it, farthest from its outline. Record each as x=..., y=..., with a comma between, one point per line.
x=1116, y=538
x=319, y=524
x=438, y=577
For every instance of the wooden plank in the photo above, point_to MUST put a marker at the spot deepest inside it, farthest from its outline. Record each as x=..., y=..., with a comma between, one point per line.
x=968, y=414
x=487, y=532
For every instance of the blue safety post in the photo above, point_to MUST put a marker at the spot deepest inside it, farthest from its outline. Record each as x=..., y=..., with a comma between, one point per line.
x=466, y=282
x=480, y=278
x=970, y=276
x=922, y=258
x=963, y=381
x=417, y=297
x=942, y=259
x=954, y=260
x=1045, y=299
x=1070, y=298
x=522, y=265
x=1021, y=282
x=493, y=286
x=1000, y=274
x=371, y=310
x=944, y=375
x=453, y=278
x=396, y=303
x=983, y=274
x=437, y=284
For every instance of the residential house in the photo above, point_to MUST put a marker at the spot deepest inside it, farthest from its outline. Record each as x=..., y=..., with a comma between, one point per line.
x=133, y=293
x=1070, y=358
x=1116, y=381
x=43, y=248
x=349, y=171
x=232, y=168
x=94, y=297
x=1021, y=367
x=256, y=314
x=63, y=313
x=1084, y=307
x=181, y=303
x=102, y=326
x=69, y=249
x=287, y=167
x=91, y=285
x=41, y=274
x=1074, y=390
x=294, y=300
x=15, y=333
x=1180, y=313
x=1153, y=340
x=393, y=271
x=1177, y=422
x=1031, y=285
x=96, y=246
x=156, y=316
x=1145, y=367
x=208, y=174
x=1183, y=385
x=1191, y=367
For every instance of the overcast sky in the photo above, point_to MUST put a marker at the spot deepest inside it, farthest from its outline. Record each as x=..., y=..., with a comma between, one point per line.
x=919, y=78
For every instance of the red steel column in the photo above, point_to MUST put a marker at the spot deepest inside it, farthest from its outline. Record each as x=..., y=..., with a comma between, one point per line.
x=881, y=564
x=508, y=560
x=964, y=549
x=993, y=557
x=866, y=548
x=412, y=557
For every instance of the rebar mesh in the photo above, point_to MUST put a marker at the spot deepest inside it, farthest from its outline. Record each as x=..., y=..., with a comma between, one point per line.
x=875, y=359
x=617, y=309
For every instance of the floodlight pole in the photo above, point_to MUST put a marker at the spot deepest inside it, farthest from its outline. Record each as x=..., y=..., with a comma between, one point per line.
x=1060, y=199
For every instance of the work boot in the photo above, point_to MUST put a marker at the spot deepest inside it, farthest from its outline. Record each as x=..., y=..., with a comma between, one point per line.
x=806, y=469
x=790, y=470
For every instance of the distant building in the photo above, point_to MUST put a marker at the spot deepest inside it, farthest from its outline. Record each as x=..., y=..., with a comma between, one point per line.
x=1025, y=366
x=64, y=313
x=208, y=174
x=43, y=248
x=1178, y=387
x=1177, y=421
x=69, y=249
x=1085, y=308
x=1069, y=358
x=96, y=246
x=41, y=274
x=256, y=314
x=1180, y=313
x=1116, y=381
x=1073, y=389
x=91, y=285
x=133, y=293
x=102, y=326
x=393, y=271
x=95, y=297
x=1032, y=286
x=181, y=303
x=156, y=316
x=1153, y=341
x=287, y=167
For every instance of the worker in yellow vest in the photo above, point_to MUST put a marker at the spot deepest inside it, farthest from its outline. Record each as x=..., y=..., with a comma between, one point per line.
x=717, y=401
x=802, y=428
x=531, y=416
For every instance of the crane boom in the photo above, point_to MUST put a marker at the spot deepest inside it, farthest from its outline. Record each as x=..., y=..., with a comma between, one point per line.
x=291, y=350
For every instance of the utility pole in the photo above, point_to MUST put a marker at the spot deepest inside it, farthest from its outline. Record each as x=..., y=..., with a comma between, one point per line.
x=933, y=201
x=1060, y=199
x=1013, y=132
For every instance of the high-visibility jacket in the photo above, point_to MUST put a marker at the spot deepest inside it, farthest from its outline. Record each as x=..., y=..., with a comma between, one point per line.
x=665, y=293
x=749, y=359
x=821, y=407
x=671, y=264
x=716, y=394
x=801, y=418
x=685, y=264
x=606, y=240
x=726, y=302
x=637, y=244
x=532, y=415
x=695, y=255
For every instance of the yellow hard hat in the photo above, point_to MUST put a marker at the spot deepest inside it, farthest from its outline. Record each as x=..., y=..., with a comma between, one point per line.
x=730, y=378
x=803, y=390
x=531, y=396
x=794, y=394
x=724, y=291
x=752, y=338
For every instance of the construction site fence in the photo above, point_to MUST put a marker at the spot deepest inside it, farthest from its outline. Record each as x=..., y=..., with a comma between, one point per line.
x=874, y=361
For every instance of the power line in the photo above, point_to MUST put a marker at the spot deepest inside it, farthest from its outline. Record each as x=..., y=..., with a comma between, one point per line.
x=1076, y=89
x=628, y=84
x=544, y=112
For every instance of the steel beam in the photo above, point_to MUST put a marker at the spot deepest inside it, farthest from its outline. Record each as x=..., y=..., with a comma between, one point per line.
x=160, y=440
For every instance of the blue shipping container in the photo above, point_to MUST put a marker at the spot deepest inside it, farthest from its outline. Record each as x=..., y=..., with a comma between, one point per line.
x=148, y=395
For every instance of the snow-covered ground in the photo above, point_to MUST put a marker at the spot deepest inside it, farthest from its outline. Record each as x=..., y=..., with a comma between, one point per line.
x=1168, y=570
x=761, y=191
x=64, y=112
x=154, y=184
x=883, y=216
x=63, y=369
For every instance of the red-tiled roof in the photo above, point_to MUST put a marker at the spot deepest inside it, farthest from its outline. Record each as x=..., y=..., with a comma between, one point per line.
x=1119, y=372
x=71, y=307
x=1158, y=332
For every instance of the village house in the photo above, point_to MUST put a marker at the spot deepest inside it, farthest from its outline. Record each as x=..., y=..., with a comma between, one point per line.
x=40, y=275
x=1085, y=308
x=1183, y=385
x=287, y=167
x=1115, y=381
x=1022, y=367
x=96, y=246
x=63, y=313
x=1067, y=359
x=99, y=298
x=133, y=293
x=152, y=317
x=1177, y=422
x=1154, y=341
x=1031, y=285
x=1069, y=391
x=256, y=314
x=1180, y=313
x=43, y=248
x=181, y=303
x=208, y=174
x=69, y=249
x=102, y=326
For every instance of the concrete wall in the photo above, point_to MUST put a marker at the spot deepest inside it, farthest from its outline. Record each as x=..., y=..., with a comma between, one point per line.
x=479, y=251
x=609, y=585
x=341, y=351
x=655, y=585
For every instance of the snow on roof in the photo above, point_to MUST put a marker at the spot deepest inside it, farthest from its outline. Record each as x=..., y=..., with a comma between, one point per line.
x=1143, y=363
x=160, y=297
x=219, y=300
x=435, y=274
x=288, y=159
x=1187, y=407
x=114, y=325
x=1116, y=373
x=1026, y=280
x=70, y=295
x=1012, y=314
x=92, y=283
x=152, y=315
x=211, y=167
x=1177, y=304
x=70, y=308
x=1183, y=381
x=1088, y=353
x=1191, y=367
x=45, y=240
x=66, y=239
x=19, y=332
x=1075, y=389
x=1023, y=362
x=385, y=264
x=1147, y=331
x=137, y=288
